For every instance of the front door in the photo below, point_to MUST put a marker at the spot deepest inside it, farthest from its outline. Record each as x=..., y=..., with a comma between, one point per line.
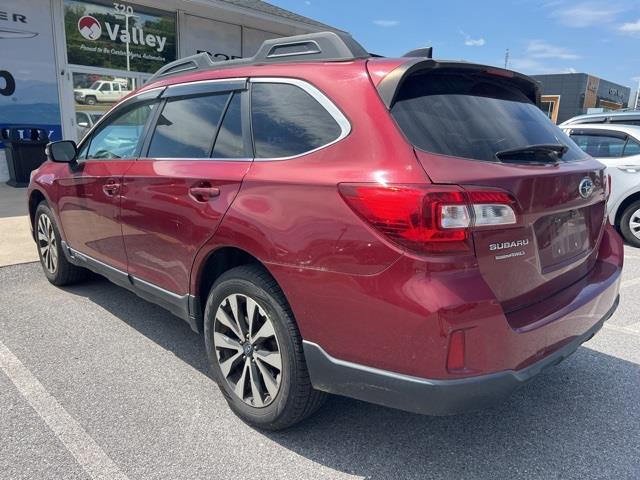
x=90, y=195
x=175, y=196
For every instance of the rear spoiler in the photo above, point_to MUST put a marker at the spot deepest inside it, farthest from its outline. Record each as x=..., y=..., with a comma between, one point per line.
x=389, y=87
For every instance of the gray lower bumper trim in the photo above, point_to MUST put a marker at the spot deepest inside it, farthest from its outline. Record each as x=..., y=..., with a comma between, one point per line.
x=420, y=395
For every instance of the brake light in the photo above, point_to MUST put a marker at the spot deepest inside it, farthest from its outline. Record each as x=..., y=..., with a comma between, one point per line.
x=434, y=219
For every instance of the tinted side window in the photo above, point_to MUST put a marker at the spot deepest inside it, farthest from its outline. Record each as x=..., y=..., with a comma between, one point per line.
x=631, y=148
x=229, y=143
x=287, y=121
x=600, y=146
x=626, y=122
x=119, y=136
x=187, y=126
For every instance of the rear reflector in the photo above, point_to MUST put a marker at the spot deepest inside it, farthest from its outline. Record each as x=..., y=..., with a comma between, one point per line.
x=434, y=219
x=456, y=354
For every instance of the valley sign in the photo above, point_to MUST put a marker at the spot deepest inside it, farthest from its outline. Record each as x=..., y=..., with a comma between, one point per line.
x=102, y=35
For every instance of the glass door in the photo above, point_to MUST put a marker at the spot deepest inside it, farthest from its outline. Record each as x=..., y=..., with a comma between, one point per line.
x=95, y=93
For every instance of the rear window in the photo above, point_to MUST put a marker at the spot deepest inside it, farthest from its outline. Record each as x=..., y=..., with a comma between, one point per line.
x=287, y=121
x=472, y=116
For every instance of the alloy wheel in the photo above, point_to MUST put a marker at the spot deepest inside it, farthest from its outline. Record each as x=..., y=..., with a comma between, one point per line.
x=634, y=223
x=247, y=350
x=47, y=244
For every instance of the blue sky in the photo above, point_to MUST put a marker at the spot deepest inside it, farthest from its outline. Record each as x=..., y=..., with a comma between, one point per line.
x=597, y=37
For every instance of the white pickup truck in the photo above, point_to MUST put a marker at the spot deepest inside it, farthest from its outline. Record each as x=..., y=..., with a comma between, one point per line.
x=103, y=91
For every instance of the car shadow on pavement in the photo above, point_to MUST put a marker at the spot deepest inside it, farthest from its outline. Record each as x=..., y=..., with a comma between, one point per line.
x=152, y=321
x=580, y=419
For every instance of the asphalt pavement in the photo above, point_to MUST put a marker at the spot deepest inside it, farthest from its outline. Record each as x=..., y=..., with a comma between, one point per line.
x=95, y=383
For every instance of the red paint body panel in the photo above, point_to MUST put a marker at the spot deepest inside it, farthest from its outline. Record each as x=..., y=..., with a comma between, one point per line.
x=400, y=319
x=163, y=225
x=89, y=214
x=353, y=292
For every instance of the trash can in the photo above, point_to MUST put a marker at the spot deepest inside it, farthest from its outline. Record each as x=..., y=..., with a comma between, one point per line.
x=24, y=149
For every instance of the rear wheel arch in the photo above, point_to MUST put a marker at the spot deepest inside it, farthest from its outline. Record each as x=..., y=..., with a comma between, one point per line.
x=217, y=263
x=634, y=197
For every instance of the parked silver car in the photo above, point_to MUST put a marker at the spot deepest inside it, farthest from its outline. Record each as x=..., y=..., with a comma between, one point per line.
x=630, y=117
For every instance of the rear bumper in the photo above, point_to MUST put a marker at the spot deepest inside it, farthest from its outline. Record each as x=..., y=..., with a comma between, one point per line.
x=425, y=396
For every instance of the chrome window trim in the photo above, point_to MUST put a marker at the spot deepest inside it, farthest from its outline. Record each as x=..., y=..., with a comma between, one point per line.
x=131, y=98
x=322, y=99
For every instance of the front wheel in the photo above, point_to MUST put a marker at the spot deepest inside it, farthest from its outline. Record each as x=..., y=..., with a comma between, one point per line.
x=91, y=100
x=255, y=350
x=630, y=224
x=55, y=265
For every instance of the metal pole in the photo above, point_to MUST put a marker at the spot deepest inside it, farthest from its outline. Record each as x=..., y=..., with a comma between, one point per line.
x=126, y=23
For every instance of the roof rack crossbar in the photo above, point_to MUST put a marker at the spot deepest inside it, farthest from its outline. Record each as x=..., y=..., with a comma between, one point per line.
x=312, y=47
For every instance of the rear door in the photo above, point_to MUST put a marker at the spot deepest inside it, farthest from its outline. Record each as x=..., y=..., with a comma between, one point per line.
x=192, y=167
x=469, y=127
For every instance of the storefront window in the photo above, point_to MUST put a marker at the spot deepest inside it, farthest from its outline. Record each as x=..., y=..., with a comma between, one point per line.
x=95, y=94
x=119, y=36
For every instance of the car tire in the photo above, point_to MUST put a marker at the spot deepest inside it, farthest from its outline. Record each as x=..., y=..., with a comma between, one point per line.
x=91, y=100
x=249, y=381
x=58, y=270
x=631, y=216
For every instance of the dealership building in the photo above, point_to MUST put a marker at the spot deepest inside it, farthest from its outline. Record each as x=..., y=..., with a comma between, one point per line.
x=65, y=62
x=565, y=95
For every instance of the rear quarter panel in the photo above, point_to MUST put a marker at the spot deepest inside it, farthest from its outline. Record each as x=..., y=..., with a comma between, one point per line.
x=290, y=213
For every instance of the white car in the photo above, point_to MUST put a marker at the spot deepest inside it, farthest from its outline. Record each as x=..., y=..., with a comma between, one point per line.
x=103, y=91
x=86, y=120
x=618, y=117
x=618, y=147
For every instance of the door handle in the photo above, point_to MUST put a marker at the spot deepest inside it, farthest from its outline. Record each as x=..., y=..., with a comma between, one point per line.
x=203, y=193
x=110, y=188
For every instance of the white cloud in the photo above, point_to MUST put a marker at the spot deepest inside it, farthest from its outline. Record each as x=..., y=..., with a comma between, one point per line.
x=527, y=65
x=532, y=66
x=472, y=42
x=541, y=49
x=538, y=58
x=631, y=28
x=587, y=14
x=386, y=23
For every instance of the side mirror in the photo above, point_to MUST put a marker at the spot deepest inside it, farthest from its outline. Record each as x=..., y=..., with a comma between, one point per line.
x=83, y=124
x=64, y=151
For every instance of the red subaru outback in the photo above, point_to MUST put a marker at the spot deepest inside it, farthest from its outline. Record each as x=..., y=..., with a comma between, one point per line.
x=409, y=232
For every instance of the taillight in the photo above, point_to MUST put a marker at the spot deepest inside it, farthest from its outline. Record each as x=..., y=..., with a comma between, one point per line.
x=434, y=219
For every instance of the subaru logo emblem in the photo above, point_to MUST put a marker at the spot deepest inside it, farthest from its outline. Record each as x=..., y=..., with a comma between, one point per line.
x=586, y=187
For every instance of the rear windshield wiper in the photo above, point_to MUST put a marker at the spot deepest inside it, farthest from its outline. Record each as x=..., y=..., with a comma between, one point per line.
x=543, y=153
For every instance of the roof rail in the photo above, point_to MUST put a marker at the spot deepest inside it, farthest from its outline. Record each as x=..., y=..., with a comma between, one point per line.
x=312, y=47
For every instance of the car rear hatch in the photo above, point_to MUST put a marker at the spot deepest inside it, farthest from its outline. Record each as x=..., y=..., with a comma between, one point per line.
x=479, y=128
